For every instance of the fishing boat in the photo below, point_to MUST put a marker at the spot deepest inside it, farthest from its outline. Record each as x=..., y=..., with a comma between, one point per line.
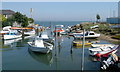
x=103, y=51
x=88, y=34
x=101, y=45
x=45, y=37
x=38, y=45
x=79, y=43
x=59, y=29
x=12, y=35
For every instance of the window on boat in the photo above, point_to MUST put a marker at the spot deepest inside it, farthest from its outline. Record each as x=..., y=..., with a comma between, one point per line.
x=86, y=33
x=7, y=34
x=92, y=34
x=5, y=30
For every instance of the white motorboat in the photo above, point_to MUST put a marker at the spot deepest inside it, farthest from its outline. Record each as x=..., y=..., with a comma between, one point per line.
x=64, y=33
x=103, y=51
x=47, y=27
x=38, y=45
x=59, y=29
x=5, y=30
x=45, y=37
x=12, y=35
x=29, y=32
x=88, y=34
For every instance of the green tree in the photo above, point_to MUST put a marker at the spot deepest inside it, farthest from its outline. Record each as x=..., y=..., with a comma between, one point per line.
x=2, y=18
x=8, y=22
x=21, y=19
x=30, y=20
x=17, y=17
x=25, y=22
x=98, y=17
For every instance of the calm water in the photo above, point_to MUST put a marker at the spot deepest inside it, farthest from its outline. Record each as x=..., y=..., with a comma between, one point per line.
x=17, y=56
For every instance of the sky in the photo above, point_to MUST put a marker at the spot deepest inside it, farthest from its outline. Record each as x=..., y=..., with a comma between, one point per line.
x=64, y=11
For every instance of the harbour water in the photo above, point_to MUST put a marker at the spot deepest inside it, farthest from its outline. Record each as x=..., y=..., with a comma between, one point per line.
x=17, y=56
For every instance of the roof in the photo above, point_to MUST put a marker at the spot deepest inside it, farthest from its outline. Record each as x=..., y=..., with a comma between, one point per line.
x=115, y=26
x=7, y=12
x=113, y=17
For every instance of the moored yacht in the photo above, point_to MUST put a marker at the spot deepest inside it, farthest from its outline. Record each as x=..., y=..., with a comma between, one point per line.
x=88, y=34
x=12, y=35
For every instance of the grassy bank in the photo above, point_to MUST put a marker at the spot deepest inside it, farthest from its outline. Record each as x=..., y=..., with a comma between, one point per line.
x=107, y=33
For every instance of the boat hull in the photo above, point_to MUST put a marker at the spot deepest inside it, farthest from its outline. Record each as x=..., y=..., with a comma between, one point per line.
x=101, y=45
x=103, y=53
x=29, y=33
x=80, y=44
x=87, y=37
x=39, y=49
x=11, y=36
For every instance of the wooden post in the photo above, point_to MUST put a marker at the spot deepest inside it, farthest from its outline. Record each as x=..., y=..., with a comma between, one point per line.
x=22, y=32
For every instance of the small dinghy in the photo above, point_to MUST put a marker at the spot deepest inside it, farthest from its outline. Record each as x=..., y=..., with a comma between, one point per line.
x=79, y=43
x=100, y=51
x=38, y=45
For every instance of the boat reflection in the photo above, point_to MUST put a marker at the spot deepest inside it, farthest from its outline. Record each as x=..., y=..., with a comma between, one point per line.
x=94, y=59
x=58, y=44
x=42, y=58
x=9, y=42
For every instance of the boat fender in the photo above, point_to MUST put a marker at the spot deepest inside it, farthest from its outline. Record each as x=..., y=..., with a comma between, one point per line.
x=98, y=54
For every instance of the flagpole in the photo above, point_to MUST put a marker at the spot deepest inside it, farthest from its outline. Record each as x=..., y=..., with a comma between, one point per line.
x=31, y=12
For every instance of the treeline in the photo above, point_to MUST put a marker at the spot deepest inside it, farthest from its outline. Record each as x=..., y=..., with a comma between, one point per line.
x=20, y=19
